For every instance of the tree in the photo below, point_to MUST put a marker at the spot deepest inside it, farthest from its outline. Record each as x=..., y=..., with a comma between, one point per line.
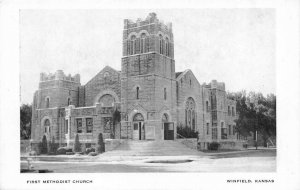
x=25, y=121
x=255, y=113
x=101, y=144
x=77, y=144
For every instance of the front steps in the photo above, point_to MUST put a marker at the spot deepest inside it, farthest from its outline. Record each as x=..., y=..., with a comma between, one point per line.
x=152, y=148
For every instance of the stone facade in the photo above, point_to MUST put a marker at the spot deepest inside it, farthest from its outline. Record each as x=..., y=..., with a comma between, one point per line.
x=150, y=96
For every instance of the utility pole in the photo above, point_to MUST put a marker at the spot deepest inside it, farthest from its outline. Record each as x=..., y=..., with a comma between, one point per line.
x=256, y=139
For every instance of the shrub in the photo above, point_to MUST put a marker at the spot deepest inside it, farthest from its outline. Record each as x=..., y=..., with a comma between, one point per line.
x=213, y=146
x=32, y=153
x=77, y=144
x=92, y=154
x=186, y=132
x=70, y=153
x=88, y=150
x=101, y=144
x=63, y=150
x=53, y=147
x=43, y=146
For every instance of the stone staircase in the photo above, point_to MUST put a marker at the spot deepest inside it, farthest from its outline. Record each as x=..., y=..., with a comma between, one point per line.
x=151, y=148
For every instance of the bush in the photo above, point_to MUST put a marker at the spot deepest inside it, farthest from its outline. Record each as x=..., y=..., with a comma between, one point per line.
x=43, y=146
x=53, y=146
x=213, y=146
x=70, y=153
x=88, y=150
x=92, y=154
x=32, y=153
x=186, y=132
x=77, y=144
x=63, y=150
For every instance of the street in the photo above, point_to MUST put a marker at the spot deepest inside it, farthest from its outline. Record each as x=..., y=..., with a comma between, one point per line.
x=243, y=161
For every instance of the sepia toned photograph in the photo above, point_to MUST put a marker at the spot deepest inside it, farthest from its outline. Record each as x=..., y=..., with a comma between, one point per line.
x=134, y=90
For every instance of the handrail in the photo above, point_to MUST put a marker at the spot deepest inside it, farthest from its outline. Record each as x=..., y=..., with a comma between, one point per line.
x=181, y=136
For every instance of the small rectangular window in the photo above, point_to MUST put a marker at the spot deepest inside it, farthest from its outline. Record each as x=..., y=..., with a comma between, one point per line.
x=66, y=126
x=79, y=125
x=137, y=92
x=223, y=133
x=207, y=128
x=214, y=133
x=89, y=125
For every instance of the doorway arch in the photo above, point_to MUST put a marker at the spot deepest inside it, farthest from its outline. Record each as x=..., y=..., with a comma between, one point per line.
x=138, y=127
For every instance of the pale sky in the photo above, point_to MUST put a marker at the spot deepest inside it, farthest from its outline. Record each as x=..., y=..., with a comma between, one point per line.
x=235, y=46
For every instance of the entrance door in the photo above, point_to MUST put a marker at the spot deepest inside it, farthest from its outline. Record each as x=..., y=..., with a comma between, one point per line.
x=168, y=131
x=138, y=127
x=138, y=131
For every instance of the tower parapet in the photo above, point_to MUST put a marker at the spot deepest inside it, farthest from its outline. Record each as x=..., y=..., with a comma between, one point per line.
x=59, y=75
x=151, y=19
x=214, y=84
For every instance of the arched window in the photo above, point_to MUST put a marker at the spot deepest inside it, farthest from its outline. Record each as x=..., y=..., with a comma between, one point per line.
x=137, y=92
x=233, y=112
x=161, y=44
x=69, y=101
x=190, y=114
x=165, y=93
x=229, y=112
x=193, y=120
x=107, y=100
x=47, y=125
x=165, y=118
x=47, y=102
x=132, y=47
x=138, y=117
x=167, y=47
x=143, y=43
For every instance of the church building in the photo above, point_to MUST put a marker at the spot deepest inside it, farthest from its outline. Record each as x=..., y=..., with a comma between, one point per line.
x=146, y=100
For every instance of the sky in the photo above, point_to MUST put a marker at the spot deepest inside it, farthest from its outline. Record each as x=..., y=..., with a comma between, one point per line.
x=235, y=46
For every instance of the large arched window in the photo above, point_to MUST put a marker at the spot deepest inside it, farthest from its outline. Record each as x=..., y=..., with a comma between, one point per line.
x=167, y=47
x=106, y=100
x=143, y=43
x=132, y=47
x=47, y=102
x=161, y=44
x=190, y=113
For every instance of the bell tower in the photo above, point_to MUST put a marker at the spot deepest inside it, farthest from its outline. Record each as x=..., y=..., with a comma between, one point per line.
x=148, y=48
x=148, y=83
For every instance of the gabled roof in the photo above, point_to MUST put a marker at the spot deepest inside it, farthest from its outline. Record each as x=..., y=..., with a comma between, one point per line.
x=177, y=74
x=106, y=68
x=181, y=74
